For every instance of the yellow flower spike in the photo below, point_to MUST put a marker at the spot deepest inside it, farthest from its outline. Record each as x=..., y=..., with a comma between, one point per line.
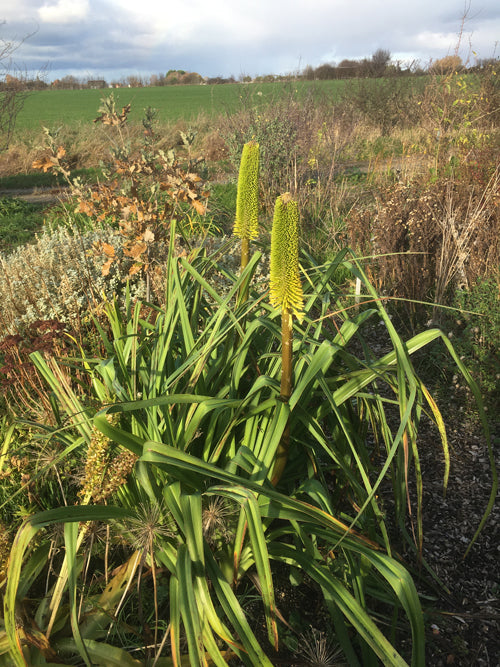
x=247, y=200
x=246, y=224
x=285, y=286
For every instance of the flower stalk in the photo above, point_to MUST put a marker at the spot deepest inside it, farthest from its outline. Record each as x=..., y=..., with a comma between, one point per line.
x=286, y=294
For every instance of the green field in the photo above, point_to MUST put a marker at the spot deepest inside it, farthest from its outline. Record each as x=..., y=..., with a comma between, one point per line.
x=51, y=108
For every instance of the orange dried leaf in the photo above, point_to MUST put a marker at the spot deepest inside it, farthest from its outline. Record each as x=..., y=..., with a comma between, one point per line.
x=135, y=268
x=108, y=250
x=106, y=266
x=135, y=251
x=44, y=164
x=198, y=206
x=85, y=207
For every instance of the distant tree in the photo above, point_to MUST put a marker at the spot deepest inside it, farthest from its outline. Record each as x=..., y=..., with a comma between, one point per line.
x=191, y=78
x=13, y=91
x=486, y=63
x=175, y=72
x=135, y=81
x=171, y=78
x=379, y=62
x=325, y=71
x=348, y=69
x=446, y=65
x=35, y=84
x=68, y=82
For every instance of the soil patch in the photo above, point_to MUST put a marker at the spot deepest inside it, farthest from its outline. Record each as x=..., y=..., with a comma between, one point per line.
x=465, y=621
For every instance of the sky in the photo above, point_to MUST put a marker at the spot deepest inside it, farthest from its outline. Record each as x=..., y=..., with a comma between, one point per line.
x=112, y=39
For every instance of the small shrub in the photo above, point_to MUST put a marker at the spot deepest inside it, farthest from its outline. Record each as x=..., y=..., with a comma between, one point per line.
x=301, y=140
x=384, y=103
x=59, y=277
x=214, y=147
x=459, y=113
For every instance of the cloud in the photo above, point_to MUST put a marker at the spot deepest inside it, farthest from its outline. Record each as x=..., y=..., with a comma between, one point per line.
x=224, y=37
x=436, y=41
x=64, y=11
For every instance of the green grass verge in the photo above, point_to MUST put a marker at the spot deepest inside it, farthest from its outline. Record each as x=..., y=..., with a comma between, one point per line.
x=19, y=221
x=26, y=181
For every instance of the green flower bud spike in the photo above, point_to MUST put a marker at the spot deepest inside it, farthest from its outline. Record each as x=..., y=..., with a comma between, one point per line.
x=285, y=293
x=285, y=286
x=246, y=224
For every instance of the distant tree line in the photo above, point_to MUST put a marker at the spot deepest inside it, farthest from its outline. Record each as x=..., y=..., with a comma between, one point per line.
x=380, y=64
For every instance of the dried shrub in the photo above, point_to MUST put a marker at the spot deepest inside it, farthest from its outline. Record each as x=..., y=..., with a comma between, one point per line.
x=144, y=189
x=16, y=159
x=429, y=238
x=401, y=231
x=447, y=65
x=214, y=147
x=23, y=389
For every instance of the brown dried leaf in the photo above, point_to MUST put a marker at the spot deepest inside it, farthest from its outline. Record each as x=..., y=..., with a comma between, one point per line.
x=85, y=207
x=44, y=163
x=106, y=266
x=136, y=250
x=198, y=206
x=135, y=268
x=108, y=250
x=148, y=236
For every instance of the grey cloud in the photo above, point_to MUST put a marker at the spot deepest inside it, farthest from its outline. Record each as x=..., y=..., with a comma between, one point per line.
x=256, y=37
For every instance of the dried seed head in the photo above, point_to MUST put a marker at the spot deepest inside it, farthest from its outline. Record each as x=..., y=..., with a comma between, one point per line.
x=151, y=523
x=104, y=473
x=319, y=651
x=216, y=516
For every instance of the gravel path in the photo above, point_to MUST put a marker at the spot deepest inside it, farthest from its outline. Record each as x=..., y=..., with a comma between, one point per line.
x=36, y=195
